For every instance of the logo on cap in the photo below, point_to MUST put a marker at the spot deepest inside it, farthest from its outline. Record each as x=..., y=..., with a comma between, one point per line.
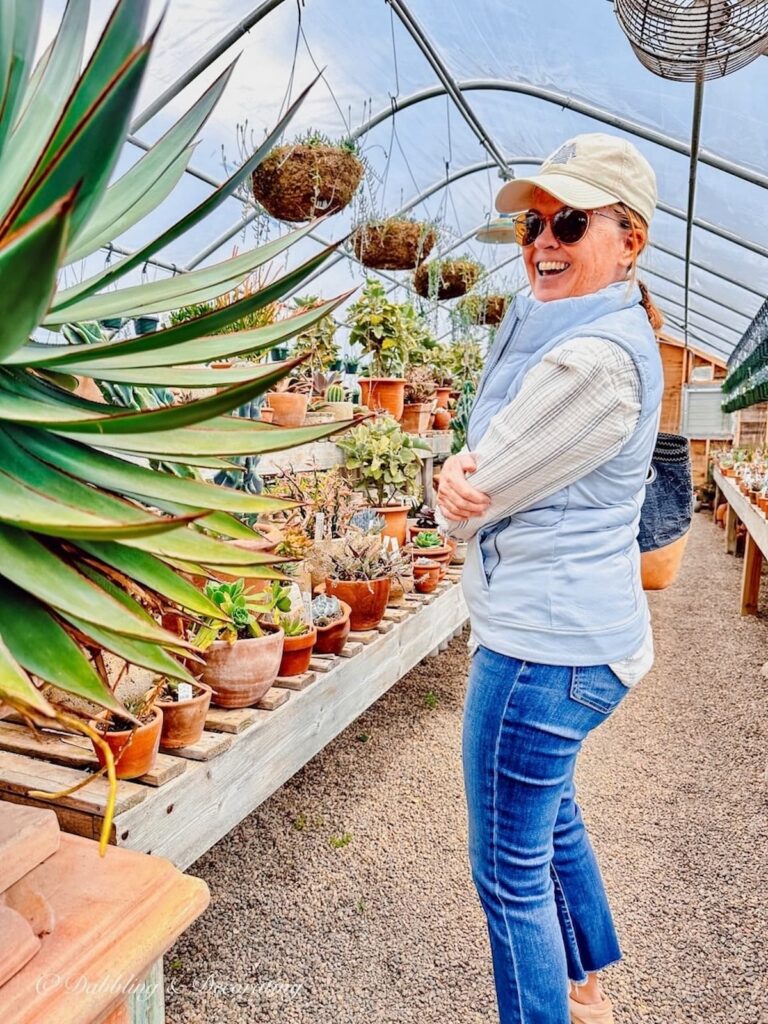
x=566, y=152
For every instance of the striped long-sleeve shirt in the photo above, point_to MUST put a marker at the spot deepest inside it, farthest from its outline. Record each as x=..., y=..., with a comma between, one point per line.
x=574, y=411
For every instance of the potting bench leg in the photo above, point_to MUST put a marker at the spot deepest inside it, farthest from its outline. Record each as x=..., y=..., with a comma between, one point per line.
x=717, y=501
x=730, y=531
x=750, y=580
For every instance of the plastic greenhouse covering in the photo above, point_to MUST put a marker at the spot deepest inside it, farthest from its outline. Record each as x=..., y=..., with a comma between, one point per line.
x=526, y=71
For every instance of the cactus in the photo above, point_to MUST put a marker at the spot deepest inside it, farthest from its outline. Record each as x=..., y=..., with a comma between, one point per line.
x=334, y=393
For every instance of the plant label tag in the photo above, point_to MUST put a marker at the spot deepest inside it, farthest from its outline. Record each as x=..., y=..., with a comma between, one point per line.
x=185, y=691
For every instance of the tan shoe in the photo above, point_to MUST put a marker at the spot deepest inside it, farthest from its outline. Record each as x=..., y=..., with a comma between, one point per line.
x=591, y=1013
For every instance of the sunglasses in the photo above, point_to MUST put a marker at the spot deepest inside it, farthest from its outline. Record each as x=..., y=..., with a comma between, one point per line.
x=568, y=225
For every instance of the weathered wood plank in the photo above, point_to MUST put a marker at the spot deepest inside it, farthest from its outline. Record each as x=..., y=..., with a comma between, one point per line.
x=385, y=626
x=295, y=683
x=351, y=649
x=79, y=823
x=323, y=662
x=274, y=698
x=750, y=579
x=210, y=744
x=231, y=720
x=363, y=636
x=19, y=774
x=76, y=752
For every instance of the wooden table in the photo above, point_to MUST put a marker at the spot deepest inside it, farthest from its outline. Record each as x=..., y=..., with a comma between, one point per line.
x=195, y=796
x=741, y=509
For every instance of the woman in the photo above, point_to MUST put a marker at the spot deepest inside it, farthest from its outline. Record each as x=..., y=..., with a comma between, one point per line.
x=549, y=493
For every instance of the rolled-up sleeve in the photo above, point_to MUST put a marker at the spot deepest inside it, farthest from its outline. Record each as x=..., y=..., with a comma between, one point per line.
x=575, y=410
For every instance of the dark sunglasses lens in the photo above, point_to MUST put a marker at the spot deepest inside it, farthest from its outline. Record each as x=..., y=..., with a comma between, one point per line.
x=528, y=227
x=569, y=226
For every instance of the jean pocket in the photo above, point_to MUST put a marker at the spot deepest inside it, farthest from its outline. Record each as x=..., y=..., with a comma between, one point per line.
x=597, y=687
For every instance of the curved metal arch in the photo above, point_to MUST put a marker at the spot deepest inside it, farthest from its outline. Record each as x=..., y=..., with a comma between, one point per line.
x=563, y=100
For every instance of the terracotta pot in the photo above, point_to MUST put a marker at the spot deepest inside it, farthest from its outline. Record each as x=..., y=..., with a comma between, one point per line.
x=442, y=420
x=266, y=414
x=659, y=568
x=331, y=639
x=443, y=394
x=459, y=553
x=134, y=750
x=241, y=673
x=385, y=394
x=367, y=599
x=762, y=504
x=395, y=521
x=442, y=555
x=426, y=577
x=416, y=417
x=184, y=720
x=288, y=409
x=297, y=653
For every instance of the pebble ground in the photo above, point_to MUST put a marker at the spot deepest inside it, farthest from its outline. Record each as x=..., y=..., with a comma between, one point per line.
x=346, y=898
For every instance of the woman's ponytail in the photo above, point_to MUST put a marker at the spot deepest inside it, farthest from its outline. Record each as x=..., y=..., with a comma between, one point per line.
x=652, y=311
x=636, y=224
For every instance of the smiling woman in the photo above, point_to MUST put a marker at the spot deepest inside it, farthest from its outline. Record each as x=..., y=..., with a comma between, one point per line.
x=560, y=439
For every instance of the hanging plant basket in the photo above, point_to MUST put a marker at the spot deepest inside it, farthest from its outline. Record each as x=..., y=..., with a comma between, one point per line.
x=485, y=310
x=393, y=244
x=299, y=182
x=446, y=280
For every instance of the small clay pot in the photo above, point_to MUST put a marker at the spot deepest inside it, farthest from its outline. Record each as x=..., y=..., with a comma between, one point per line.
x=442, y=419
x=383, y=394
x=331, y=638
x=441, y=555
x=241, y=673
x=266, y=414
x=459, y=553
x=443, y=394
x=416, y=417
x=134, y=750
x=426, y=577
x=297, y=653
x=184, y=720
x=395, y=521
x=367, y=599
x=289, y=409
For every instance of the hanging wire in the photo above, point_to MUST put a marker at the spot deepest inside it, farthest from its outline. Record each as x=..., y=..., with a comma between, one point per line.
x=321, y=71
x=291, y=77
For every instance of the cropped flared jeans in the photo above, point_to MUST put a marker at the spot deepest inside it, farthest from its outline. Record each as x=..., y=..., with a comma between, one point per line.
x=531, y=858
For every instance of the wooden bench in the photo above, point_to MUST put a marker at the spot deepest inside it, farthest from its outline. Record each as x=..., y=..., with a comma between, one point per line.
x=741, y=509
x=195, y=796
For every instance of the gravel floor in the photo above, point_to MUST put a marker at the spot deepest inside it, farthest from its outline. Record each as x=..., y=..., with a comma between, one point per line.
x=346, y=898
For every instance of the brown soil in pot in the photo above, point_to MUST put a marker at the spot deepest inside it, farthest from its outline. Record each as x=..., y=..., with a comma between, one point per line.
x=134, y=750
x=299, y=182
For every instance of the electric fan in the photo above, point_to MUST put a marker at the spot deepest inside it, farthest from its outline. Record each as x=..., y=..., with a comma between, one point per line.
x=695, y=40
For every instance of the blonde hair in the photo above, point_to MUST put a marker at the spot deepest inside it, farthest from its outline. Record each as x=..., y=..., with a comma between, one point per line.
x=639, y=228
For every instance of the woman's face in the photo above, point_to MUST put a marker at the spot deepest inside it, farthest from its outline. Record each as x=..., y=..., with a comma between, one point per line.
x=602, y=257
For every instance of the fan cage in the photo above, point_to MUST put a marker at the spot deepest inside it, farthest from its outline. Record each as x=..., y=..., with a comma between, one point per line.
x=690, y=40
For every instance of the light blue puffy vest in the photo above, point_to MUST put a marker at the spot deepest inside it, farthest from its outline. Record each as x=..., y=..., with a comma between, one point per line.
x=559, y=582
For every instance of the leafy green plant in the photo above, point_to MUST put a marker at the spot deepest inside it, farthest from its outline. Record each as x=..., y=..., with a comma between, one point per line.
x=293, y=625
x=366, y=558
x=385, y=458
x=381, y=328
x=91, y=538
x=460, y=422
x=339, y=842
x=240, y=611
x=318, y=343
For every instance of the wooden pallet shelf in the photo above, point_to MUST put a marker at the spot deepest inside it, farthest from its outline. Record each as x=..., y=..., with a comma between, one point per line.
x=194, y=797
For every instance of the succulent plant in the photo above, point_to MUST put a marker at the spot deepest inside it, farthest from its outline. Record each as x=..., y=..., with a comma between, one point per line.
x=428, y=539
x=335, y=393
x=326, y=610
x=367, y=521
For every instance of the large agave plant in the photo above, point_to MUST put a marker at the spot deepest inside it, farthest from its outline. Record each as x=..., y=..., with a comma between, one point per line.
x=93, y=538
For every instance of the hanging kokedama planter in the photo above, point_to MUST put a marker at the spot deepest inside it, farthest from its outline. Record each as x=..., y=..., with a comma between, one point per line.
x=394, y=244
x=446, y=279
x=300, y=182
x=485, y=310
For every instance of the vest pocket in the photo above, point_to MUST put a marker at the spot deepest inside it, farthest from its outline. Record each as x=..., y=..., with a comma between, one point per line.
x=598, y=687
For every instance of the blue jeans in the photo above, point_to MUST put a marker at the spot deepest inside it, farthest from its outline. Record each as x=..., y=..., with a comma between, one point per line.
x=532, y=861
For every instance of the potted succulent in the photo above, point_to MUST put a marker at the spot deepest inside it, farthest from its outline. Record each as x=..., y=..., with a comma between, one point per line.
x=289, y=401
x=331, y=619
x=422, y=520
x=308, y=178
x=387, y=464
x=420, y=400
x=446, y=279
x=279, y=353
x=378, y=325
x=134, y=747
x=430, y=544
x=297, y=649
x=426, y=574
x=361, y=575
x=184, y=707
x=242, y=655
x=396, y=243
x=351, y=364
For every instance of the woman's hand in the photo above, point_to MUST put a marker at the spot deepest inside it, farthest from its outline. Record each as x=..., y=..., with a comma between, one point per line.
x=455, y=498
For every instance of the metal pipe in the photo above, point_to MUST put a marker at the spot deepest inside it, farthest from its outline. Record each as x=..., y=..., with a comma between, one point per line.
x=698, y=104
x=205, y=61
x=566, y=102
x=694, y=291
x=715, y=273
x=450, y=85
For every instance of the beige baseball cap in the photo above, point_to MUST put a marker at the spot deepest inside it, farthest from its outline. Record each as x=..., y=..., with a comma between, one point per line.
x=588, y=171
